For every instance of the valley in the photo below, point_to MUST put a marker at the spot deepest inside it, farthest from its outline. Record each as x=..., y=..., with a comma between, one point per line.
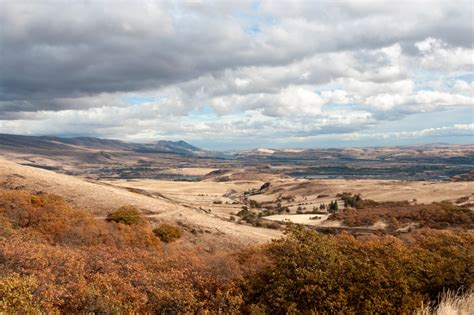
x=245, y=198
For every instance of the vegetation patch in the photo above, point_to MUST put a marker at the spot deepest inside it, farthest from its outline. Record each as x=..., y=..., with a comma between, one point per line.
x=127, y=215
x=168, y=233
x=58, y=259
x=256, y=219
x=311, y=273
x=438, y=215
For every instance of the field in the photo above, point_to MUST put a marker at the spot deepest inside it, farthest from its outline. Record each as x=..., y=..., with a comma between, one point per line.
x=212, y=204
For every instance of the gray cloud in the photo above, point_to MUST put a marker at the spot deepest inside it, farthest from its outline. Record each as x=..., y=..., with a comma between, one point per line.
x=68, y=48
x=81, y=60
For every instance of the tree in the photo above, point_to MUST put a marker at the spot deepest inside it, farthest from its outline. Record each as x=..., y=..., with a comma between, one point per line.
x=333, y=207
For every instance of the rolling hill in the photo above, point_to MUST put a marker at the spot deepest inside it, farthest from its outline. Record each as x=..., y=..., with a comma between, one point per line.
x=20, y=143
x=100, y=199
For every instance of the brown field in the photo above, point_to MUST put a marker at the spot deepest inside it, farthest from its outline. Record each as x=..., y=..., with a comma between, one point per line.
x=101, y=198
x=204, y=194
x=205, y=207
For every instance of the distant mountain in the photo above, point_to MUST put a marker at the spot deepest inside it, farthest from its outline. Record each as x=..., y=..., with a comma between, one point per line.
x=25, y=143
x=446, y=152
x=45, y=142
x=179, y=144
x=91, y=142
x=163, y=146
x=48, y=145
x=15, y=142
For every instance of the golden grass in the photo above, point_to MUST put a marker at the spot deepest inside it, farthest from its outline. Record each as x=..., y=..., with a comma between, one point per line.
x=451, y=304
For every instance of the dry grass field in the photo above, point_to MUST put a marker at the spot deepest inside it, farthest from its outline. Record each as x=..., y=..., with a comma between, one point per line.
x=207, y=206
x=222, y=198
x=100, y=198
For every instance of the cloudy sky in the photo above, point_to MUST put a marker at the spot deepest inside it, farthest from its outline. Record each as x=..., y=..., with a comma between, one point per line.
x=239, y=74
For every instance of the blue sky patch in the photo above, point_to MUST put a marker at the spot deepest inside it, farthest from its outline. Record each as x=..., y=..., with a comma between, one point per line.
x=141, y=99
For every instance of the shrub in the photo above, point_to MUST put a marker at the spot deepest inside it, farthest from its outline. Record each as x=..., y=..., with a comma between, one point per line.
x=272, y=225
x=254, y=204
x=438, y=215
x=462, y=200
x=85, y=265
x=49, y=218
x=312, y=273
x=304, y=272
x=127, y=215
x=16, y=294
x=167, y=233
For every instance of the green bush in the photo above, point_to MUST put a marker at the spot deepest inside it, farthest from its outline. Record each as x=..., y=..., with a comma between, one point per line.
x=167, y=233
x=127, y=215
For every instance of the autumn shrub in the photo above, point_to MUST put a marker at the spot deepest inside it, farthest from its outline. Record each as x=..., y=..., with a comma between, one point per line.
x=309, y=272
x=58, y=259
x=123, y=271
x=17, y=293
x=107, y=279
x=443, y=260
x=438, y=215
x=271, y=225
x=5, y=227
x=168, y=233
x=127, y=215
x=50, y=218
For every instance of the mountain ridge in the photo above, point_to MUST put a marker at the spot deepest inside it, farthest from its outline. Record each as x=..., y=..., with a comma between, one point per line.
x=53, y=142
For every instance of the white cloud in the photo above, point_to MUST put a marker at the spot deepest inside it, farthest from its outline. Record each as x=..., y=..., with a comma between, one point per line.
x=298, y=100
x=438, y=56
x=458, y=129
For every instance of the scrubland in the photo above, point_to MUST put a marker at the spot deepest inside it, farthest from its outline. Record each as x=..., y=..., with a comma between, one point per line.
x=57, y=258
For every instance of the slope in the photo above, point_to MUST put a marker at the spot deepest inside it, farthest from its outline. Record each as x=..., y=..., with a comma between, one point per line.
x=100, y=199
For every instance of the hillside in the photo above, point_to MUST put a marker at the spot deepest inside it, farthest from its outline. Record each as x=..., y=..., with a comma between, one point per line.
x=401, y=153
x=105, y=158
x=56, y=258
x=20, y=143
x=99, y=199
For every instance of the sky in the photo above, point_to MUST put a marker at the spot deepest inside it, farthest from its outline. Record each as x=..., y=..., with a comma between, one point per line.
x=240, y=74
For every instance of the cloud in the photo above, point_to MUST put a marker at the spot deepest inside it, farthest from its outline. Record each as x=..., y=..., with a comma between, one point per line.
x=138, y=70
x=466, y=130
x=438, y=56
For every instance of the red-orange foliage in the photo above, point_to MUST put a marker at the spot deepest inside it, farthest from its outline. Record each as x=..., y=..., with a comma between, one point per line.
x=82, y=264
x=312, y=273
x=50, y=218
x=108, y=279
x=54, y=258
x=437, y=215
